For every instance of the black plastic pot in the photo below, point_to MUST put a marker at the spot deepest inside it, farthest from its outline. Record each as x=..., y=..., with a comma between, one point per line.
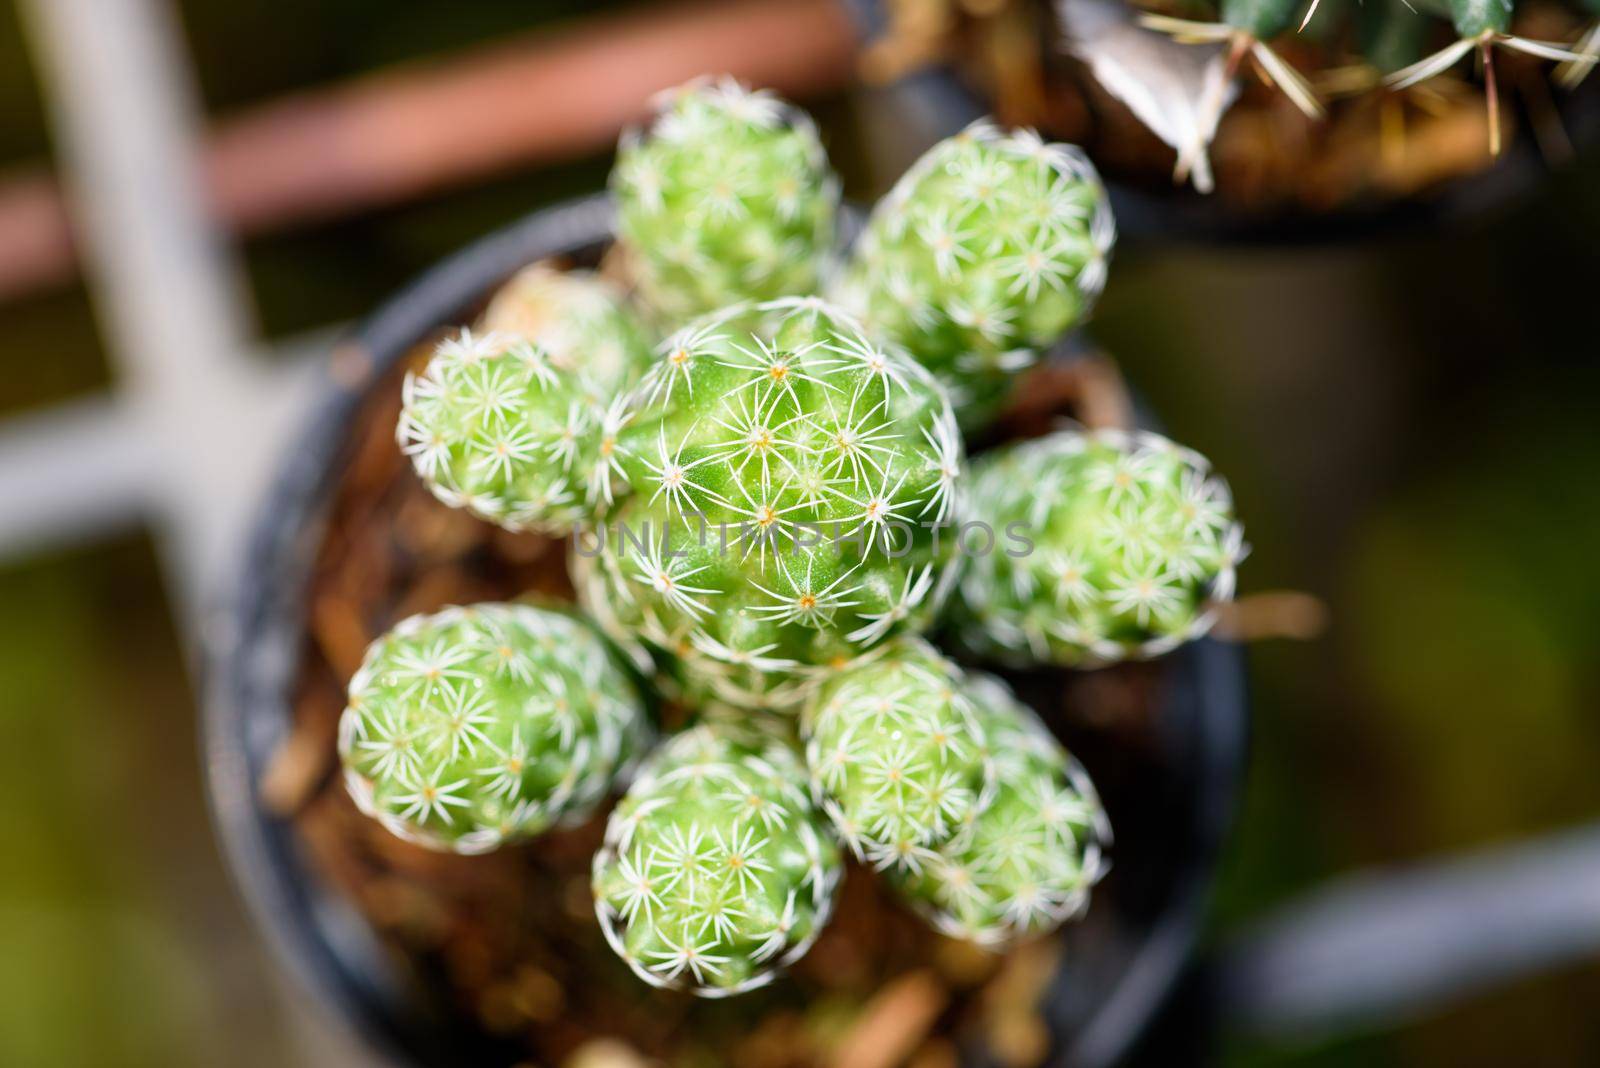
x=1172, y=807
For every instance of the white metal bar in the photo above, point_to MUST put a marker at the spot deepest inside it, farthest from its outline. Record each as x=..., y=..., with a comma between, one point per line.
x=1376, y=949
x=70, y=473
x=166, y=290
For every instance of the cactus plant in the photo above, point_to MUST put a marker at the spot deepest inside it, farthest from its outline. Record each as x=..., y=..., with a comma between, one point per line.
x=1122, y=543
x=725, y=196
x=1481, y=25
x=1245, y=28
x=784, y=477
x=1024, y=863
x=473, y=726
x=580, y=319
x=493, y=426
x=989, y=249
x=716, y=870
x=897, y=755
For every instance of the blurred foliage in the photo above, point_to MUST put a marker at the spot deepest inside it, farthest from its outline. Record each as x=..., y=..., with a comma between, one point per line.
x=122, y=942
x=1409, y=429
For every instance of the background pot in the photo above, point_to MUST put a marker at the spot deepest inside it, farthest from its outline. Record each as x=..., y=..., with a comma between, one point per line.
x=1171, y=810
x=941, y=101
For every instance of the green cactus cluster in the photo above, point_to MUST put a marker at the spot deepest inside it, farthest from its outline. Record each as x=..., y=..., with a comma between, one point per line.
x=475, y=726
x=1131, y=542
x=784, y=472
x=716, y=869
x=761, y=509
x=725, y=196
x=990, y=249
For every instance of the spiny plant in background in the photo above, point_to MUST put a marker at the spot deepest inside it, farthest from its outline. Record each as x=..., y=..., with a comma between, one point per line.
x=1387, y=111
x=783, y=473
x=474, y=726
x=1132, y=543
x=716, y=869
x=897, y=755
x=725, y=196
x=1481, y=24
x=1025, y=862
x=493, y=426
x=1245, y=27
x=1484, y=25
x=581, y=320
x=986, y=252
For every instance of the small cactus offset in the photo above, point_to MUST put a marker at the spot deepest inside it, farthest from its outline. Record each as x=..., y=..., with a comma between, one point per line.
x=1129, y=543
x=493, y=426
x=716, y=871
x=785, y=476
x=726, y=196
x=897, y=755
x=1024, y=863
x=988, y=250
x=479, y=725
x=580, y=320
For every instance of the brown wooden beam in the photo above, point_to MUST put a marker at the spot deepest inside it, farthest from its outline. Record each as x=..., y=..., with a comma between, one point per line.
x=389, y=136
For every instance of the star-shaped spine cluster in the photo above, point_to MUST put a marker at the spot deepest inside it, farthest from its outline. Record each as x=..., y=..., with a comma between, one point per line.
x=987, y=251
x=1127, y=543
x=784, y=476
x=474, y=726
x=726, y=196
x=716, y=870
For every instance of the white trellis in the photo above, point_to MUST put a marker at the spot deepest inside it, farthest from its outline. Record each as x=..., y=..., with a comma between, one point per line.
x=195, y=417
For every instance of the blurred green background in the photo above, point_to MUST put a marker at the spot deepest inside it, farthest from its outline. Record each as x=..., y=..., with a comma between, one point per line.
x=1410, y=427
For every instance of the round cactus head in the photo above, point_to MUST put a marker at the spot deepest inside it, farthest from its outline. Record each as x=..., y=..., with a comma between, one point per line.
x=492, y=425
x=580, y=320
x=786, y=478
x=476, y=725
x=988, y=250
x=1130, y=542
x=1025, y=862
x=716, y=870
x=725, y=196
x=897, y=755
